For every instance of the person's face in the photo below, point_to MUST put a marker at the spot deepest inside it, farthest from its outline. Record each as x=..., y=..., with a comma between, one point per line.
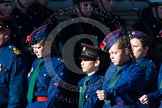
x=159, y=11
x=137, y=49
x=25, y=3
x=88, y=66
x=117, y=56
x=6, y=9
x=107, y=4
x=38, y=50
x=86, y=8
x=3, y=37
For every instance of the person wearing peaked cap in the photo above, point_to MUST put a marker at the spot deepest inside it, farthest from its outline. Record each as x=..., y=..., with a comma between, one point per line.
x=79, y=31
x=123, y=79
x=43, y=83
x=13, y=71
x=107, y=15
x=24, y=25
x=90, y=57
x=5, y=22
x=141, y=48
x=6, y=7
x=83, y=7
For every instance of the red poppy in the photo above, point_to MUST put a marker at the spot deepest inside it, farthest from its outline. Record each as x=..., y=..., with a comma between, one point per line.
x=102, y=45
x=28, y=39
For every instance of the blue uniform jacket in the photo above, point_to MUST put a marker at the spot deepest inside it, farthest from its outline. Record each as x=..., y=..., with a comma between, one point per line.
x=151, y=74
x=128, y=87
x=13, y=77
x=52, y=72
x=157, y=95
x=150, y=83
x=94, y=84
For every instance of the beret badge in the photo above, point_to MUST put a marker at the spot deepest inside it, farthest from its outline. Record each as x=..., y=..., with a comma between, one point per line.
x=28, y=39
x=102, y=45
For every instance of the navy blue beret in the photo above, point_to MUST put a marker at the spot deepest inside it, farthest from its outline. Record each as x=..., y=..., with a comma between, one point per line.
x=111, y=39
x=37, y=35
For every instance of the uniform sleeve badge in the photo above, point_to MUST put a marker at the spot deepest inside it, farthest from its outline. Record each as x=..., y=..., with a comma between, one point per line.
x=16, y=51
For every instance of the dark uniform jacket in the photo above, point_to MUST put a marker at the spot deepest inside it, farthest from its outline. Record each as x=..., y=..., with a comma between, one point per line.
x=128, y=87
x=151, y=81
x=90, y=97
x=151, y=74
x=48, y=81
x=13, y=78
x=157, y=94
x=109, y=19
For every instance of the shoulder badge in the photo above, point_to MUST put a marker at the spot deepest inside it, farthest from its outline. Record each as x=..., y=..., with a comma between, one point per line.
x=61, y=60
x=16, y=51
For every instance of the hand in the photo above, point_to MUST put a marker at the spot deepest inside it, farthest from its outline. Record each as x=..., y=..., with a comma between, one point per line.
x=101, y=94
x=144, y=99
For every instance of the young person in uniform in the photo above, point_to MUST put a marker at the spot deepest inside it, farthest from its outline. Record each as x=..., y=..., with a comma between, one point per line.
x=46, y=73
x=92, y=81
x=13, y=71
x=124, y=79
x=141, y=48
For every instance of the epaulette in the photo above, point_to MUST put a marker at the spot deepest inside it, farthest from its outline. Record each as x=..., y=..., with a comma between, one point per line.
x=15, y=50
x=61, y=60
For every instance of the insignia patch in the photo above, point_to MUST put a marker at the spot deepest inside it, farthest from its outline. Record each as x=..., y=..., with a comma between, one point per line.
x=84, y=49
x=61, y=60
x=16, y=51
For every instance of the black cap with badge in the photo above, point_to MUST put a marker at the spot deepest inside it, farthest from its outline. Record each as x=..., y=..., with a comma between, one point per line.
x=90, y=52
x=5, y=22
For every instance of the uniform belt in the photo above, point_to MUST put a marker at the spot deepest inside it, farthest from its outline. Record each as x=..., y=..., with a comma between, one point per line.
x=41, y=98
x=119, y=103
